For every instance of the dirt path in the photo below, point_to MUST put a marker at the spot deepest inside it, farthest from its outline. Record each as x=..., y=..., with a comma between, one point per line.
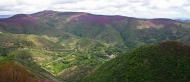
x=61, y=58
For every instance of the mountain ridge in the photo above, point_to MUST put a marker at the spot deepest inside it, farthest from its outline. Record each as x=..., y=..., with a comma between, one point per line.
x=85, y=25
x=77, y=41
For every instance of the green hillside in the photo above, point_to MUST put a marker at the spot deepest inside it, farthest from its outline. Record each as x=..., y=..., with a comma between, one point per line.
x=47, y=57
x=20, y=68
x=17, y=49
x=162, y=62
x=62, y=45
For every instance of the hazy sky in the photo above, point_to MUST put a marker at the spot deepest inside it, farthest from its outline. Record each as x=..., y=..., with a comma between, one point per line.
x=132, y=8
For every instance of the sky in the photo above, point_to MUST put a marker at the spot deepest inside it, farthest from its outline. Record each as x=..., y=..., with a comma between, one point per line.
x=131, y=8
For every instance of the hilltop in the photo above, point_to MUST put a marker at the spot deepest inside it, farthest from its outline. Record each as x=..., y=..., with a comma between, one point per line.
x=165, y=61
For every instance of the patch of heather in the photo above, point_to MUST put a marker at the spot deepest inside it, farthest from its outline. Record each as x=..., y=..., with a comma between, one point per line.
x=67, y=13
x=149, y=23
x=2, y=25
x=19, y=21
x=98, y=19
x=19, y=16
x=77, y=15
x=165, y=22
x=45, y=13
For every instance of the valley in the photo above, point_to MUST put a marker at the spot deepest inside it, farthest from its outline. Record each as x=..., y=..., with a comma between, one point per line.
x=69, y=46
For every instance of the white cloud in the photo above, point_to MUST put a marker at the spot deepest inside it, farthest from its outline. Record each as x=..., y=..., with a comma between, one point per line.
x=127, y=9
x=163, y=4
x=187, y=8
x=165, y=12
x=5, y=3
x=141, y=8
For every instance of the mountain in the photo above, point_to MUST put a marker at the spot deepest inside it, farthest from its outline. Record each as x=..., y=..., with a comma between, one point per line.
x=165, y=61
x=61, y=46
x=115, y=30
x=183, y=19
x=188, y=21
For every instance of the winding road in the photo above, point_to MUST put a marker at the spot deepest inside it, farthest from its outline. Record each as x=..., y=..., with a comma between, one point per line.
x=61, y=58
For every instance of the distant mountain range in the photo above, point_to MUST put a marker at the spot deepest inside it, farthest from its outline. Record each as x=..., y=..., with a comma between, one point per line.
x=115, y=30
x=5, y=16
x=183, y=20
x=60, y=42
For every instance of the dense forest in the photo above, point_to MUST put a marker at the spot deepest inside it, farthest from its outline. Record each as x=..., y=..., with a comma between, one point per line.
x=162, y=62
